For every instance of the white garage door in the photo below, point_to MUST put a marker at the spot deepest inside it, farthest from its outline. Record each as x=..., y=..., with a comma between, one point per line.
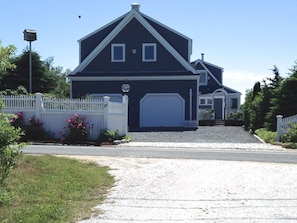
x=162, y=110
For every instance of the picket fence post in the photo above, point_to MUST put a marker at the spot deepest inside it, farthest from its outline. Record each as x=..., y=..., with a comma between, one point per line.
x=278, y=126
x=39, y=105
x=125, y=113
x=106, y=112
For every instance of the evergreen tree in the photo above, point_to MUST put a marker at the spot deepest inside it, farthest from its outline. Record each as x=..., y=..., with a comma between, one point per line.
x=42, y=79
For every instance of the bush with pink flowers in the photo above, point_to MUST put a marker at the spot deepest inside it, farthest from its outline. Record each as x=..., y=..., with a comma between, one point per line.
x=33, y=131
x=76, y=129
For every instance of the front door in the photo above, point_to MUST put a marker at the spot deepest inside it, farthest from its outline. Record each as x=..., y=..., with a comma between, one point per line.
x=218, y=108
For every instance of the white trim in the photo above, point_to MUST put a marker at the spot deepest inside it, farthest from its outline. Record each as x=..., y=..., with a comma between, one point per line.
x=224, y=101
x=230, y=89
x=133, y=14
x=230, y=102
x=123, y=49
x=206, y=78
x=133, y=78
x=101, y=28
x=210, y=64
x=154, y=45
x=111, y=95
x=174, y=31
x=215, y=79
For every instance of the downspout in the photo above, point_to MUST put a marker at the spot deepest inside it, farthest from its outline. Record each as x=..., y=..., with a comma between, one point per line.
x=191, y=104
x=198, y=101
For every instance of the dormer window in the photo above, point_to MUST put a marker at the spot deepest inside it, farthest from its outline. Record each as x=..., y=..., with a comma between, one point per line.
x=149, y=52
x=118, y=52
x=203, y=78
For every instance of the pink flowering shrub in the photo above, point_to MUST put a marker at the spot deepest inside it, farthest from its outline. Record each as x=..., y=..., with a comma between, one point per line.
x=76, y=129
x=18, y=120
x=32, y=131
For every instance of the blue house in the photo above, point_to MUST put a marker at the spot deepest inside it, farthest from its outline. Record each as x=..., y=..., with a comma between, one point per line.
x=214, y=96
x=150, y=62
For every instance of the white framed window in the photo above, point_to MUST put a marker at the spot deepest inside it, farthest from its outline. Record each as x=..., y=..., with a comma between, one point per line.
x=203, y=78
x=149, y=52
x=234, y=103
x=205, y=101
x=118, y=52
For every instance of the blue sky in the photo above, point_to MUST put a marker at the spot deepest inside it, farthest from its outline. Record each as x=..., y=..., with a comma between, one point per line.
x=244, y=37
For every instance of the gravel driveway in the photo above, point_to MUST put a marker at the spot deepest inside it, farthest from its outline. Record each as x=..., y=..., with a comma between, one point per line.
x=204, y=134
x=208, y=191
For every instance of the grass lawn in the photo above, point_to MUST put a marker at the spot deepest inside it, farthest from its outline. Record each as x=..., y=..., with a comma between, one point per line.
x=54, y=189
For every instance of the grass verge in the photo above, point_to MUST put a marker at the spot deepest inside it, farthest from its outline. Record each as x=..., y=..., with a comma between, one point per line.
x=270, y=137
x=54, y=189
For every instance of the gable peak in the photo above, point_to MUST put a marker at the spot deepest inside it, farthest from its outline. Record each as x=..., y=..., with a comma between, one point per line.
x=135, y=6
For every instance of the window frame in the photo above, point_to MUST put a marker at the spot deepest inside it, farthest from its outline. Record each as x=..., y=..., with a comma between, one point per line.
x=113, y=46
x=206, y=101
x=206, y=78
x=144, y=59
x=234, y=101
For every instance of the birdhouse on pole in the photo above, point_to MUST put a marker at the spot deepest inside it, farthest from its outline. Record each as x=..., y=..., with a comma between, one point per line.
x=30, y=35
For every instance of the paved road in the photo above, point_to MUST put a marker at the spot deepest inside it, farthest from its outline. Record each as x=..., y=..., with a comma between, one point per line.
x=210, y=143
x=278, y=156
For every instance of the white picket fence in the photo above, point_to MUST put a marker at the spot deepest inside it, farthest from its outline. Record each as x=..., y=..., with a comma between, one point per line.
x=53, y=113
x=283, y=124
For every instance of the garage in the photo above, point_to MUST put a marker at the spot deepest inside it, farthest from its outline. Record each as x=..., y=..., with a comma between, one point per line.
x=162, y=110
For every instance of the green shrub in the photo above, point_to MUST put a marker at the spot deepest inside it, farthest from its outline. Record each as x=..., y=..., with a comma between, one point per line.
x=291, y=136
x=9, y=149
x=238, y=116
x=292, y=132
x=107, y=135
x=33, y=131
x=267, y=136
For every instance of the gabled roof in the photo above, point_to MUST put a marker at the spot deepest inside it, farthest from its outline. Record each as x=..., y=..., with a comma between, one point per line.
x=203, y=63
x=125, y=19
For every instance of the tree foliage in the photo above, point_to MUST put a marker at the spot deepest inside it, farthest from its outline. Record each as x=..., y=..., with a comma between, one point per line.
x=275, y=96
x=45, y=77
x=42, y=80
x=9, y=149
x=6, y=54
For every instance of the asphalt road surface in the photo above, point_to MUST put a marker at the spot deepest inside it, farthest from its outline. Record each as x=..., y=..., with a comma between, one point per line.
x=277, y=156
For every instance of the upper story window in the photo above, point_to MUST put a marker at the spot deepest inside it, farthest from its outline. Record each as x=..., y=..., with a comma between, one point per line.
x=118, y=52
x=149, y=52
x=203, y=78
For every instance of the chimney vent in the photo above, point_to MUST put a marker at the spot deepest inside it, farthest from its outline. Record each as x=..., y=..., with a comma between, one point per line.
x=135, y=6
x=202, y=56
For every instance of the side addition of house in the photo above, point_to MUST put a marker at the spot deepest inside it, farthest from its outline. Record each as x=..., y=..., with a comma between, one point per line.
x=215, y=98
x=150, y=62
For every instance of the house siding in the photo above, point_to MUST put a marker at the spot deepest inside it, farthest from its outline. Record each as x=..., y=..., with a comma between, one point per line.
x=180, y=43
x=138, y=90
x=215, y=71
x=87, y=45
x=133, y=36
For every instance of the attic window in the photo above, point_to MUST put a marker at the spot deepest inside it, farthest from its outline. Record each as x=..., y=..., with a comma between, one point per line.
x=118, y=52
x=149, y=52
x=203, y=78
